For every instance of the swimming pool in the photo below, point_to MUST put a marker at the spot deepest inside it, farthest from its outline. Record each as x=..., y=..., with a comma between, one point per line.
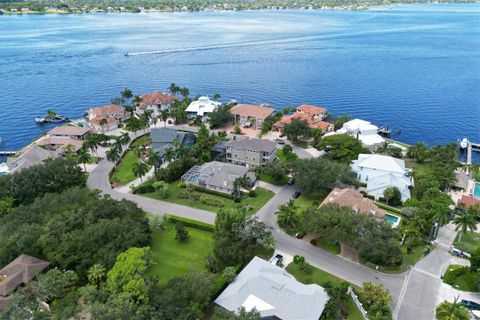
x=393, y=220
x=476, y=190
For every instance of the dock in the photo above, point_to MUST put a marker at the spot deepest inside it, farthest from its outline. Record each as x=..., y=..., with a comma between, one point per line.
x=7, y=153
x=470, y=148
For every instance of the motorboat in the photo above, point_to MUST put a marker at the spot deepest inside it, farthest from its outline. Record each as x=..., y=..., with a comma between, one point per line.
x=464, y=143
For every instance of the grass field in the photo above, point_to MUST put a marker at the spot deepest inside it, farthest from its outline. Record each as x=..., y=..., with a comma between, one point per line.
x=470, y=242
x=270, y=180
x=173, y=258
x=417, y=253
x=123, y=173
x=254, y=203
x=319, y=277
x=308, y=200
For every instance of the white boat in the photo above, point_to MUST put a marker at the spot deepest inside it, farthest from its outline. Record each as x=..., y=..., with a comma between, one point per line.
x=464, y=143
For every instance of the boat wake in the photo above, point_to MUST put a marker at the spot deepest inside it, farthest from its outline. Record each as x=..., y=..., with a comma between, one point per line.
x=282, y=40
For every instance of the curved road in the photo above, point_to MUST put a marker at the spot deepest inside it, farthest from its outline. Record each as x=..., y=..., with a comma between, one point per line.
x=398, y=284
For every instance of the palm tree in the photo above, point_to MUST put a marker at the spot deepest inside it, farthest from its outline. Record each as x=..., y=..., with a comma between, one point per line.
x=419, y=152
x=197, y=121
x=126, y=94
x=330, y=311
x=239, y=183
x=154, y=160
x=102, y=123
x=124, y=139
x=92, y=143
x=133, y=124
x=137, y=100
x=114, y=154
x=164, y=114
x=452, y=311
x=465, y=221
x=162, y=188
x=83, y=157
x=174, y=88
x=442, y=214
x=184, y=92
x=169, y=155
x=287, y=215
x=51, y=114
x=96, y=274
x=216, y=96
x=140, y=169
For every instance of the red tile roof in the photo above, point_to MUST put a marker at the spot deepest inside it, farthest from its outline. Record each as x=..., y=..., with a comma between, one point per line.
x=96, y=121
x=111, y=108
x=251, y=110
x=311, y=109
x=468, y=201
x=353, y=199
x=69, y=131
x=312, y=123
x=157, y=97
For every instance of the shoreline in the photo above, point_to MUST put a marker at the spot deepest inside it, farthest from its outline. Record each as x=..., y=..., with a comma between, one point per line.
x=140, y=10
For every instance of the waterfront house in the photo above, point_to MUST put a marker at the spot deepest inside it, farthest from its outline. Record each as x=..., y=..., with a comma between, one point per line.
x=18, y=272
x=73, y=132
x=312, y=115
x=65, y=139
x=163, y=139
x=217, y=176
x=28, y=157
x=249, y=115
x=107, y=118
x=274, y=293
x=202, y=107
x=468, y=201
x=364, y=131
x=155, y=102
x=353, y=199
x=250, y=152
x=381, y=172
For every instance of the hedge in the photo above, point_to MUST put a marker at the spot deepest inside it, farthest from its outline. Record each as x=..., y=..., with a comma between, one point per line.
x=384, y=206
x=453, y=272
x=146, y=187
x=212, y=192
x=190, y=223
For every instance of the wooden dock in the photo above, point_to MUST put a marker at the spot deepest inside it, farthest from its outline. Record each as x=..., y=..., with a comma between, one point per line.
x=7, y=153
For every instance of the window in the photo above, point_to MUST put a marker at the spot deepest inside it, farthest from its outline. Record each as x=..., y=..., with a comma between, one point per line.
x=253, y=159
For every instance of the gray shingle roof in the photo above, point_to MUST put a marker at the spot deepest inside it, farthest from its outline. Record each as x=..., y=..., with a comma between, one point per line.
x=221, y=174
x=274, y=293
x=33, y=155
x=162, y=139
x=253, y=144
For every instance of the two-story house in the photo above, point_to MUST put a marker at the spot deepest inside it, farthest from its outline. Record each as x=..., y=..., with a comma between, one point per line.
x=107, y=118
x=250, y=152
x=155, y=102
x=314, y=117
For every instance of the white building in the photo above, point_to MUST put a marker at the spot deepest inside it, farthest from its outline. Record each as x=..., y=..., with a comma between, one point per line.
x=202, y=107
x=363, y=131
x=381, y=172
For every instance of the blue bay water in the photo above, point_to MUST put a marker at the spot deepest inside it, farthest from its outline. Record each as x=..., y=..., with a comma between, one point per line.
x=415, y=68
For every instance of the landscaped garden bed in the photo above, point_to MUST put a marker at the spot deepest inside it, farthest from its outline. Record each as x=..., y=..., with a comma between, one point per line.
x=461, y=278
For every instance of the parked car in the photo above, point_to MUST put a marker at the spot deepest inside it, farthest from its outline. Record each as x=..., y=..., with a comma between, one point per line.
x=300, y=235
x=291, y=181
x=296, y=194
x=279, y=141
x=470, y=304
x=277, y=260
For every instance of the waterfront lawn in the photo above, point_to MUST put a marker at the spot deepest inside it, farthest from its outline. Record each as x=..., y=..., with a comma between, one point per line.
x=173, y=258
x=254, y=203
x=470, y=242
x=123, y=173
x=319, y=277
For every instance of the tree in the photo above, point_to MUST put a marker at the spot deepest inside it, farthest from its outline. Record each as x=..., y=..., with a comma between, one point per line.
x=174, y=89
x=229, y=274
x=96, y=274
x=342, y=147
x=419, y=151
x=126, y=94
x=287, y=215
x=83, y=157
x=275, y=169
x=154, y=160
x=243, y=314
x=216, y=96
x=296, y=129
x=241, y=183
x=140, y=169
x=164, y=114
x=137, y=101
x=169, y=154
x=127, y=277
x=220, y=117
x=392, y=195
x=316, y=173
x=92, y=142
x=475, y=261
x=114, y=154
x=198, y=121
x=338, y=124
x=124, y=139
x=452, y=311
x=162, y=188
x=133, y=124
x=465, y=221
x=237, y=129
x=181, y=232
x=371, y=294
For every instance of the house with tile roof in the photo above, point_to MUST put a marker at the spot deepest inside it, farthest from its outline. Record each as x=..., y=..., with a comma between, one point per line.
x=312, y=115
x=250, y=152
x=65, y=139
x=353, y=199
x=217, y=176
x=274, y=293
x=250, y=115
x=107, y=118
x=155, y=102
x=18, y=272
x=380, y=172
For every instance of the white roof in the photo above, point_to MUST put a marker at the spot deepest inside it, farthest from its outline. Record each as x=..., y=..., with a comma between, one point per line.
x=355, y=124
x=380, y=162
x=386, y=180
x=203, y=105
x=370, y=139
x=4, y=169
x=274, y=293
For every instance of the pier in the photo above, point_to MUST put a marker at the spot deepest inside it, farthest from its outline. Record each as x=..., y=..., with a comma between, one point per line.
x=470, y=148
x=7, y=153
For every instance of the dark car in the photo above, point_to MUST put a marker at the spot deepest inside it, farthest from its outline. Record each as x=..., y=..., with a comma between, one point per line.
x=470, y=304
x=296, y=194
x=290, y=181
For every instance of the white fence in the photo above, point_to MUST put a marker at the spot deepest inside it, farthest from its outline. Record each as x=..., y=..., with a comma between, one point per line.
x=358, y=303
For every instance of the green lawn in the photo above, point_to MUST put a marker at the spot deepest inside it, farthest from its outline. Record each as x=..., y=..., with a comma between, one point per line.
x=173, y=258
x=470, y=242
x=281, y=156
x=415, y=255
x=143, y=140
x=123, y=172
x=270, y=180
x=329, y=246
x=320, y=277
x=254, y=203
x=308, y=200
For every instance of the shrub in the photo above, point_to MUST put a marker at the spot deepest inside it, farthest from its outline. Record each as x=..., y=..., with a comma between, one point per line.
x=190, y=223
x=454, y=272
x=305, y=267
x=212, y=192
x=363, y=193
x=252, y=193
x=181, y=232
x=382, y=199
x=236, y=199
x=146, y=187
x=370, y=197
x=182, y=184
x=211, y=201
x=184, y=194
x=298, y=259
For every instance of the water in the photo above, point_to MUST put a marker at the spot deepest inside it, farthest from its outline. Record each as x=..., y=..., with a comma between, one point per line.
x=476, y=190
x=412, y=67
